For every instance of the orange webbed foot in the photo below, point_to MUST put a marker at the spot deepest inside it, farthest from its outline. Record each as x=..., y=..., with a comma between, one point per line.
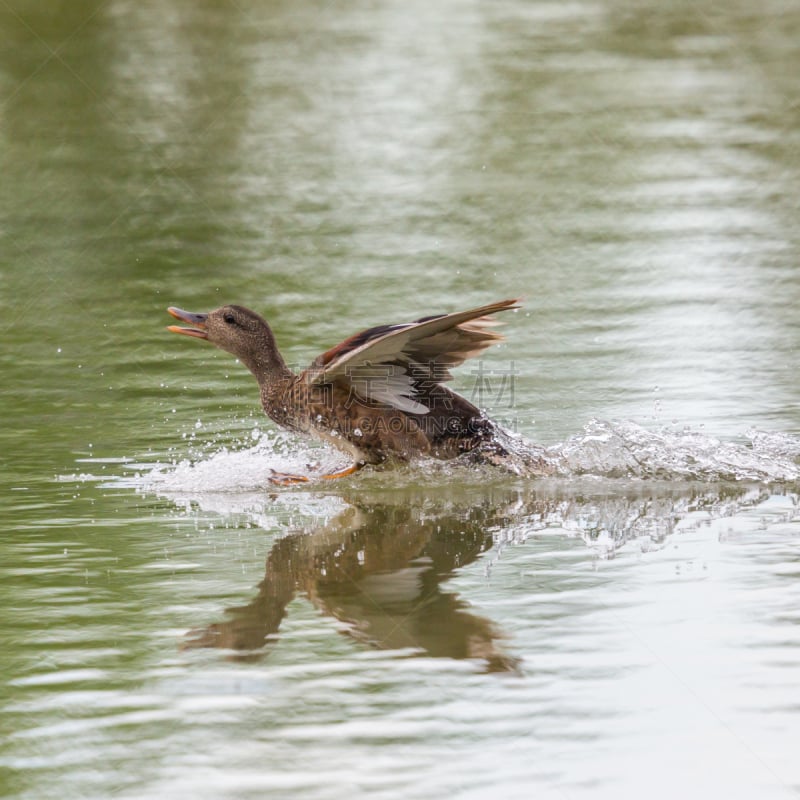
x=342, y=473
x=289, y=479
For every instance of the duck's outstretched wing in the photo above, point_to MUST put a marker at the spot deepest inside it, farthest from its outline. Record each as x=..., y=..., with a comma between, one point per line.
x=399, y=365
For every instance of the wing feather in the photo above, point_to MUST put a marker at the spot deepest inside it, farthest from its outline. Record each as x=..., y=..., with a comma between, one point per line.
x=399, y=364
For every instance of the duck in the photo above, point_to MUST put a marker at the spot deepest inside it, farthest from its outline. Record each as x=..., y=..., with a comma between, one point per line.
x=379, y=396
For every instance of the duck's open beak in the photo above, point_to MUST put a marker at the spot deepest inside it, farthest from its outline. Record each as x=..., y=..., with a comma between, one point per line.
x=198, y=321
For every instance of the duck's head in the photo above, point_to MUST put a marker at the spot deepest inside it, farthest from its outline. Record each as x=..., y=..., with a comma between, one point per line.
x=236, y=329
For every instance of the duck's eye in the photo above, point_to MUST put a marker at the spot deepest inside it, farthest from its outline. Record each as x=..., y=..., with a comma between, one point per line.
x=230, y=319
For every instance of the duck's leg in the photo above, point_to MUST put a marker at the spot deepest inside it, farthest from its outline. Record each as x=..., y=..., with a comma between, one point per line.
x=342, y=473
x=289, y=479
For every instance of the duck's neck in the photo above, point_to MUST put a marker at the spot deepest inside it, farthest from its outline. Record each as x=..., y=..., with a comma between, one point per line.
x=265, y=361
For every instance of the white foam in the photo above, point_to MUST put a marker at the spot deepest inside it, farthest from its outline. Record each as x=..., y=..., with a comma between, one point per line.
x=626, y=449
x=236, y=480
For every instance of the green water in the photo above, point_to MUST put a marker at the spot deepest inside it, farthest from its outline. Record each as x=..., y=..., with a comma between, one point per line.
x=630, y=170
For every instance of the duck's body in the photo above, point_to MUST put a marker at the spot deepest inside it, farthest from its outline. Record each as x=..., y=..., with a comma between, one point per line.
x=371, y=433
x=379, y=394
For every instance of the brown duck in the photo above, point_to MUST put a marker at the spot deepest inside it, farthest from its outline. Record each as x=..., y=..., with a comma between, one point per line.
x=378, y=395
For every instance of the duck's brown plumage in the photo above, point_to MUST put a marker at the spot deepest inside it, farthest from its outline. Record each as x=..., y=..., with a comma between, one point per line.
x=379, y=394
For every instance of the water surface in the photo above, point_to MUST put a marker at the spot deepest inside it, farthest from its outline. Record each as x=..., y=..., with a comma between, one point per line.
x=171, y=627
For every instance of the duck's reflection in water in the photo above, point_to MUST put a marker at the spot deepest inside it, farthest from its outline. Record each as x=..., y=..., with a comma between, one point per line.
x=378, y=568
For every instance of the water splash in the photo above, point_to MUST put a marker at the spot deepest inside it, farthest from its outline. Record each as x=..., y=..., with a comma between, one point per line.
x=618, y=450
x=229, y=469
x=628, y=450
